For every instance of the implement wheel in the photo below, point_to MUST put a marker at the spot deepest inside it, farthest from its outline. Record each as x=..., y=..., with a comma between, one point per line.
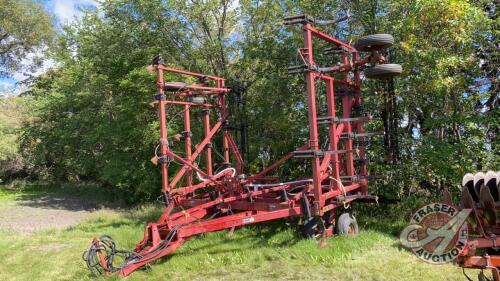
x=347, y=225
x=383, y=71
x=374, y=42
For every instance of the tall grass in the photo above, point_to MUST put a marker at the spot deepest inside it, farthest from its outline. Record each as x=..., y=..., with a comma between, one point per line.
x=273, y=251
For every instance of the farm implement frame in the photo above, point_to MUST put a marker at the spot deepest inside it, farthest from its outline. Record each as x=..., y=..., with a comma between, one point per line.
x=203, y=197
x=481, y=194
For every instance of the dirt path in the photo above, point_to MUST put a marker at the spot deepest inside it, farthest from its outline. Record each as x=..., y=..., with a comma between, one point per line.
x=30, y=213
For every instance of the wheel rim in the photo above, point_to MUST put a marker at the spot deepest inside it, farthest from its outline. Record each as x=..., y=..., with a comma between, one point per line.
x=351, y=230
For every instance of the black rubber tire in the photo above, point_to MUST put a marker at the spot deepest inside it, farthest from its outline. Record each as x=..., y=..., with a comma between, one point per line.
x=383, y=71
x=374, y=42
x=347, y=225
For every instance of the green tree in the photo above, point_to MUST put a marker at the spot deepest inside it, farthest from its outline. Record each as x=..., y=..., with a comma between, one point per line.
x=91, y=119
x=11, y=118
x=12, y=115
x=25, y=27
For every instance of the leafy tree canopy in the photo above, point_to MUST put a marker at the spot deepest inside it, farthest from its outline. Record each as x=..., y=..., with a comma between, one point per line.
x=25, y=28
x=91, y=120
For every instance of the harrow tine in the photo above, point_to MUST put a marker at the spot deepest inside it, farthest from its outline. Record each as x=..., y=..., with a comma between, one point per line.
x=478, y=182
x=498, y=182
x=467, y=179
x=467, y=201
x=488, y=204
x=468, y=183
x=447, y=197
x=491, y=182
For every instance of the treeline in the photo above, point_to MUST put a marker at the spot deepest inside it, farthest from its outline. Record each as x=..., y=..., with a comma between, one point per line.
x=88, y=119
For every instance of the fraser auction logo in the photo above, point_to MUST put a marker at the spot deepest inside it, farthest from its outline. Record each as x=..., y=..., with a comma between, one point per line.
x=437, y=233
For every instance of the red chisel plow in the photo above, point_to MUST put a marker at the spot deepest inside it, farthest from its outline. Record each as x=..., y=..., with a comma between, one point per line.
x=199, y=198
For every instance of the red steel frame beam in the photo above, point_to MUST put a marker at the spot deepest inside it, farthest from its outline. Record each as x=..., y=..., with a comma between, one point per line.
x=491, y=262
x=188, y=103
x=208, y=149
x=276, y=164
x=244, y=218
x=236, y=152
x=187, y=141
x=188, y=73
x=359, y=125
x=206, y=90
x=346, y=113
x=334, y=160
x=313, y=125
x=254, y=199
x=199, y=149
x=314, y=32
x=163, y=132
x=320, y=168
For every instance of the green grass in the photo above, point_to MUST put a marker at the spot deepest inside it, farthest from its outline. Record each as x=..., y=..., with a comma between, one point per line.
x=262, y=252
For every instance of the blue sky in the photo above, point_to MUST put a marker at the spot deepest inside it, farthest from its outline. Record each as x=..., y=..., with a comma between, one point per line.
x=67, y=11
x=64, y=11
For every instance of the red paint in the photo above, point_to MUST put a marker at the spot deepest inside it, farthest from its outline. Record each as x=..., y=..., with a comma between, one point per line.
x=237, y=199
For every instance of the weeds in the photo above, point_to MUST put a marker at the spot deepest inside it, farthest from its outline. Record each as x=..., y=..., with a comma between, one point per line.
x=273, y=251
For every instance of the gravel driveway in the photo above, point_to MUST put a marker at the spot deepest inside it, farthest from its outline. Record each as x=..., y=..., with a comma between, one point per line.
x=30, y=213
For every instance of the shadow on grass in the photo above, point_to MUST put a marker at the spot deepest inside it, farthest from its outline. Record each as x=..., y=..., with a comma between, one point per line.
x=71, y=197
x=389, y=219
x=55, y=201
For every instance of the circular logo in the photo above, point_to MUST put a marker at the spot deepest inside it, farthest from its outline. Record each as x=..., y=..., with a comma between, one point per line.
x=437, y=233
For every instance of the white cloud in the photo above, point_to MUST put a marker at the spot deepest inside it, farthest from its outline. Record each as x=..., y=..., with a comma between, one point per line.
x=28, y=61
x=13, y=85
x=6, y=86
x=67, y=11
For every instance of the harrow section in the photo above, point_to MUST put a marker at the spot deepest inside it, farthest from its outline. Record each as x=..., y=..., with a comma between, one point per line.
x=481, y=193
x=203, y=197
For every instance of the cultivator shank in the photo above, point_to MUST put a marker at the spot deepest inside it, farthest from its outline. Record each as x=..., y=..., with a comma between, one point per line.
x=204, y=196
